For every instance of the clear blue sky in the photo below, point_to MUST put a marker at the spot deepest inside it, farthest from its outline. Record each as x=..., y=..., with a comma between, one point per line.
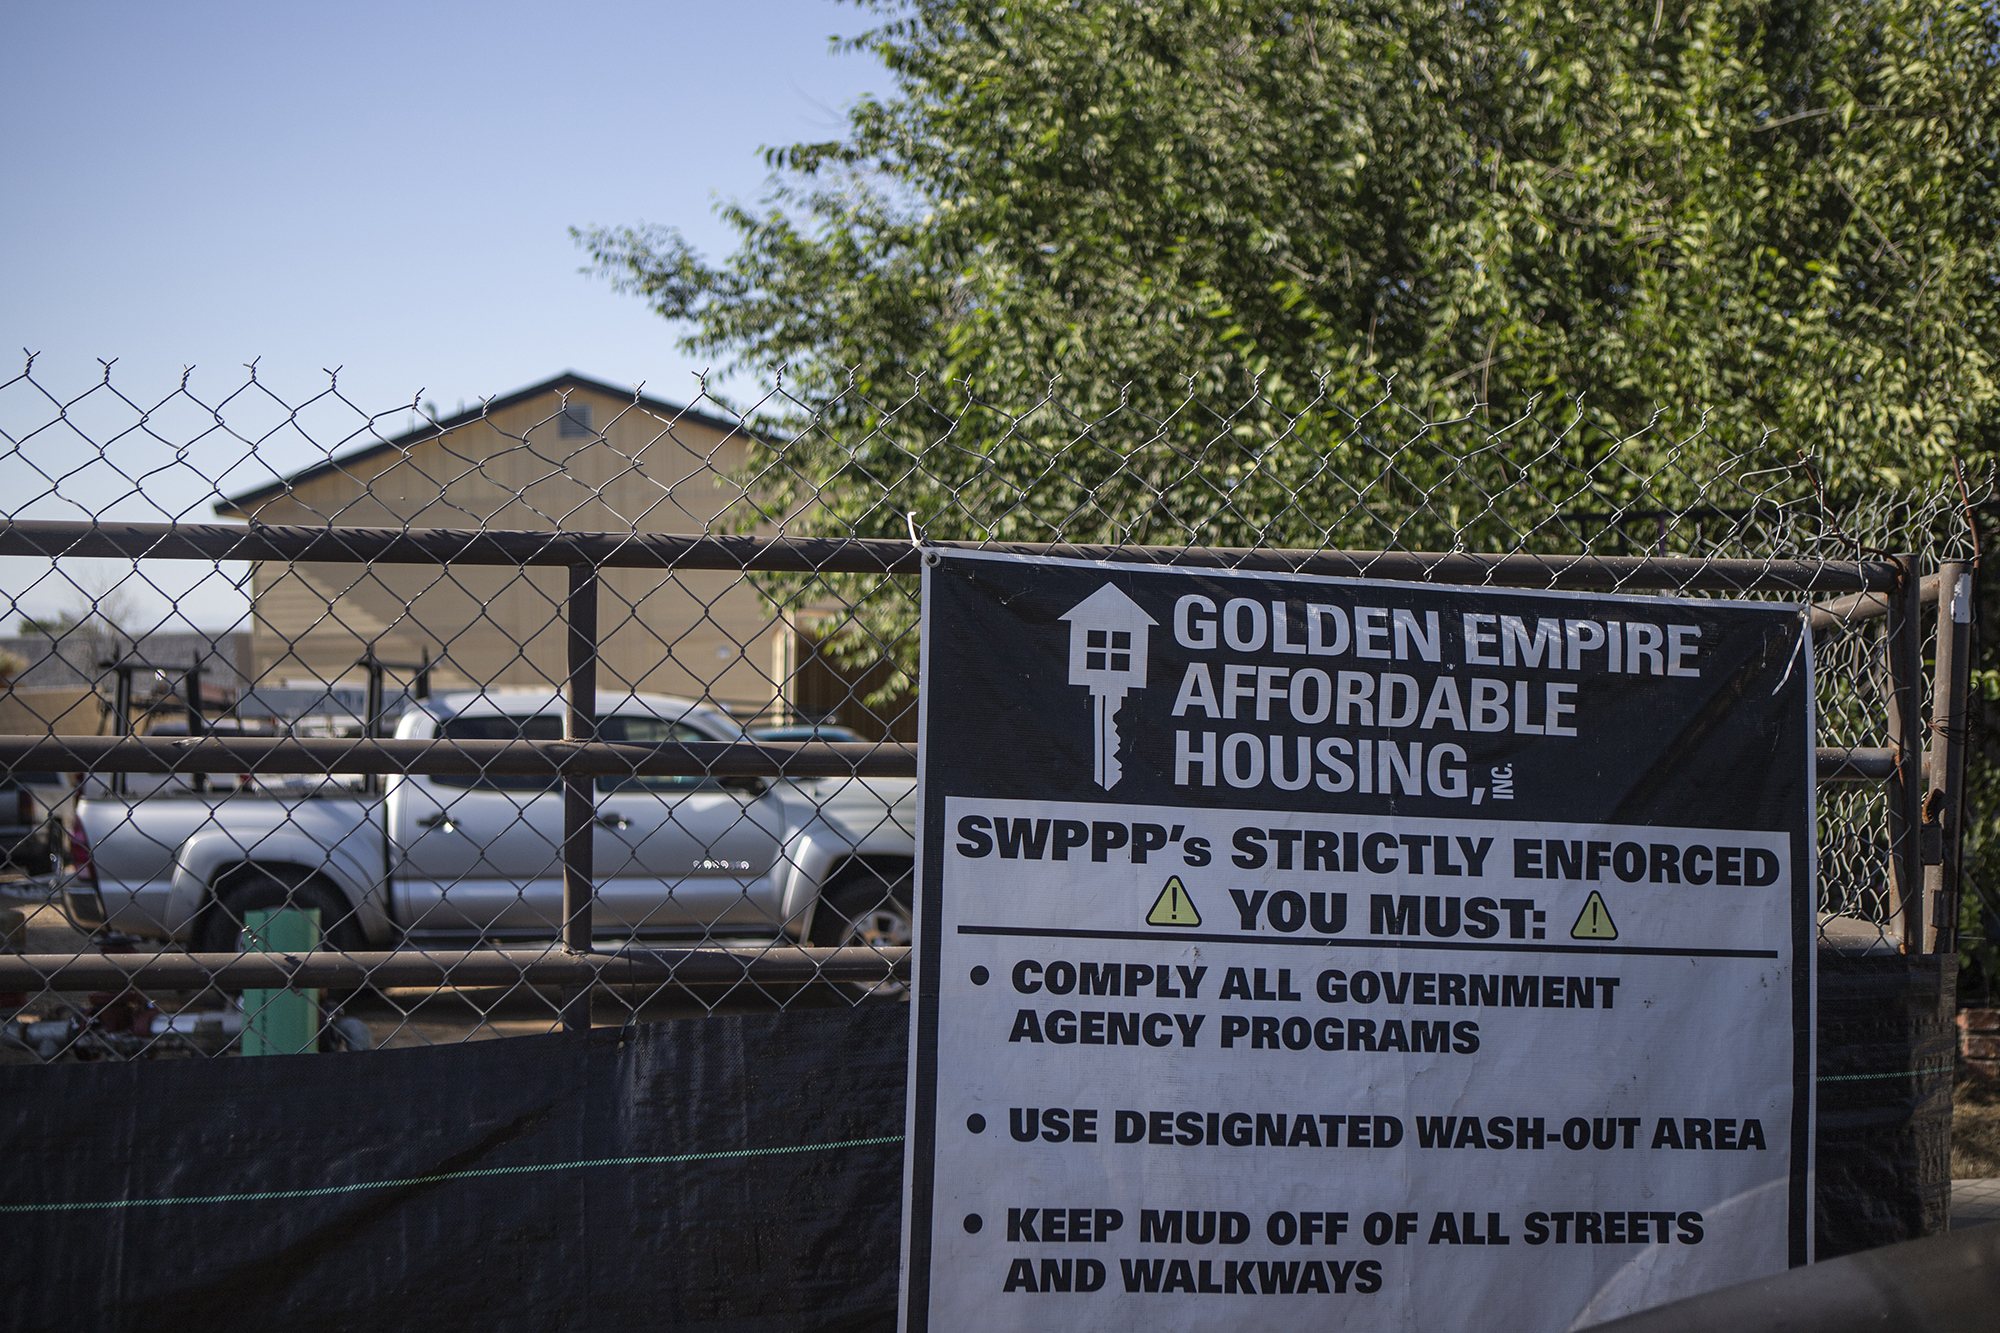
x=381, y=188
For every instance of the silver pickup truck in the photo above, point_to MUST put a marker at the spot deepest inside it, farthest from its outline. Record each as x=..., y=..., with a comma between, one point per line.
x=455, y=862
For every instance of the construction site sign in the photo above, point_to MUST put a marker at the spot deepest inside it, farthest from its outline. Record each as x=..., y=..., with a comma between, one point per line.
x=1297, y=950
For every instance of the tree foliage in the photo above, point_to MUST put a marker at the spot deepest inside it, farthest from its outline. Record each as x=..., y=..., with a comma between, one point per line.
x=1678, y=242
x=1781, y=214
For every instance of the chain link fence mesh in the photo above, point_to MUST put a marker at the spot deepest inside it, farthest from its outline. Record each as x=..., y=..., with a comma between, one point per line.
x=457, y=655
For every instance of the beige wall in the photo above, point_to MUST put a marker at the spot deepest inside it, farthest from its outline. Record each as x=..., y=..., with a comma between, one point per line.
x=698, y=633
x=52, y=711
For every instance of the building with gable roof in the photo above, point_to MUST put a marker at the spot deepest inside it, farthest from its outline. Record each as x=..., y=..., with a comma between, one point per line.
x=571, y=453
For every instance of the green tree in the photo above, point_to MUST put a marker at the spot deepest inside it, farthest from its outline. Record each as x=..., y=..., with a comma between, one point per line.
x=1680, y=245
x=1779, y=214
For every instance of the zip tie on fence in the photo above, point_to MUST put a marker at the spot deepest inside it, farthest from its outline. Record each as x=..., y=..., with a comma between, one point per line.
x=927, y=554
x=324, y=1191
x=1798, y=646
x=1897, y=1073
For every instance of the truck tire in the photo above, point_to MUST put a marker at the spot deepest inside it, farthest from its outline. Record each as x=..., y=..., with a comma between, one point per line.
x=869, y=906
x=261, y=887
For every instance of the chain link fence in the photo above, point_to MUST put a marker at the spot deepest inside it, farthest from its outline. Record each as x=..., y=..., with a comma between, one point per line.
x=330, y=728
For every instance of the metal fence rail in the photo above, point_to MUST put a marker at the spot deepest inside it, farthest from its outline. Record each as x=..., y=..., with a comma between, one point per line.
x=567, y=758
x=861, y=555
x=795, y=607
x=471, y=758
x=707, y=966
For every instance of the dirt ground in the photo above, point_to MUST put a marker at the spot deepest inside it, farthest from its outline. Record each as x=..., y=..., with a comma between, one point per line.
x=1975, y=1129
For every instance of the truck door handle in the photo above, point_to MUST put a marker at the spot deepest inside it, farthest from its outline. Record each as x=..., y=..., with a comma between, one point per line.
x=616, y=823
x=441, y=822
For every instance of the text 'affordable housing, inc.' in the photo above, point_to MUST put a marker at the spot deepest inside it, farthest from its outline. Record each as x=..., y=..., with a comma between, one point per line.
x=1297, y=952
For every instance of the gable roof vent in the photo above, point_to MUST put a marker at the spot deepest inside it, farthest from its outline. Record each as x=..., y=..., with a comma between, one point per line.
x=576, y=421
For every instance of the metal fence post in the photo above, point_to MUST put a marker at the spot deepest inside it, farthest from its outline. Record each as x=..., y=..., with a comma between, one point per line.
x=1944, y=808
x=579, y=803
x=1906, y=736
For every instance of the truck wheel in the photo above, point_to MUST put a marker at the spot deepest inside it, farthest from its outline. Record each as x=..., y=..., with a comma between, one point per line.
x=868, y=907
x=264, y=887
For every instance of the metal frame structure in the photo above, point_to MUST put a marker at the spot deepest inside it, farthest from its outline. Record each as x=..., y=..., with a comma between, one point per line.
x=1926, y=787
x=123, y=669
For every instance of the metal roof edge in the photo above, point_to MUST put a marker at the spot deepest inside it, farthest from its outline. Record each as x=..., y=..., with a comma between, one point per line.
x=233, y=506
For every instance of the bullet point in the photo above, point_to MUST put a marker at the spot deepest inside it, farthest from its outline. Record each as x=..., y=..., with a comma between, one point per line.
x=976, y=1123
x=973, y=1222
x=979, y=975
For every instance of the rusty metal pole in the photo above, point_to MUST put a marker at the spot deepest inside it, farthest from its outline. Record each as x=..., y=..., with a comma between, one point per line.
x=197, y=724
x=122, y=725
x=1944, y=808
x=191, y=687
x=1906, y=735
x=579, y=802
x=372, y=725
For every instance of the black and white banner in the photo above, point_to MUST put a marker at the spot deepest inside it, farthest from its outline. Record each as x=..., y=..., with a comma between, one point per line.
x=1298, y=950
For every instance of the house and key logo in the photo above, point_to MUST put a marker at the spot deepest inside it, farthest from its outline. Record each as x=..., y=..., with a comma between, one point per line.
x=1107, y=656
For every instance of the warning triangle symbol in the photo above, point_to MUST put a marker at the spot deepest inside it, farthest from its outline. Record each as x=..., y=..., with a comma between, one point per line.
x=1173, y=907
x=1594, y=921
